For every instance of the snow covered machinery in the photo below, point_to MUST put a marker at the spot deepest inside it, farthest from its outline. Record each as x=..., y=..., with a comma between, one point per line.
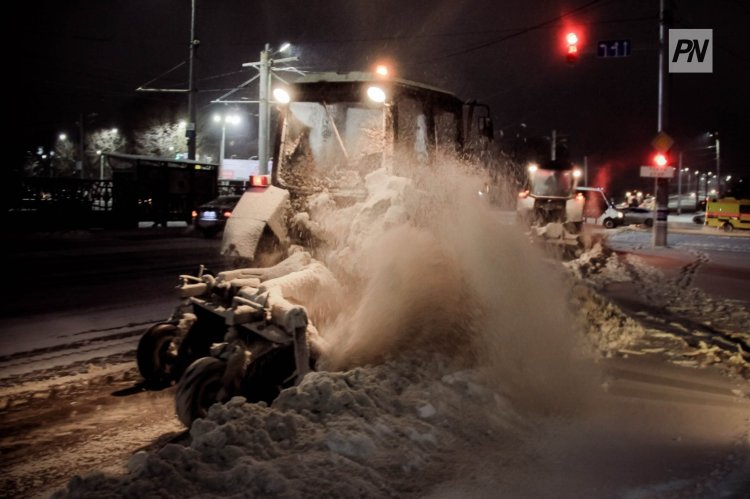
x=335, y=129
x=249, y=333
x=550, y=204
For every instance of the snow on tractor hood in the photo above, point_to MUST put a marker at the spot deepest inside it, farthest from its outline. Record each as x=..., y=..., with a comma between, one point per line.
x=256, y=209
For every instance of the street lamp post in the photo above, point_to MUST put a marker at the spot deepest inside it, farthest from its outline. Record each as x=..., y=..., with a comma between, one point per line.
x=679, y=185
x=718, y=167
x=697, y=188
x=232, y=119
x=717, y=157
x=265, y=68
x=112, y=142
x=263, y=111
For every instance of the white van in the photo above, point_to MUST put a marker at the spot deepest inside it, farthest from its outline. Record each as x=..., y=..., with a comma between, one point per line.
x=597, y=209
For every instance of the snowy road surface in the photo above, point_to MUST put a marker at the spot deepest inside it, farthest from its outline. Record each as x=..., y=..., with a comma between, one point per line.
x=659, y=406
x=68, y=335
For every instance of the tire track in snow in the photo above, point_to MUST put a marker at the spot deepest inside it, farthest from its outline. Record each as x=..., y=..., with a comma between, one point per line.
x=688, y=272
x=30, y=356
x=11, y=373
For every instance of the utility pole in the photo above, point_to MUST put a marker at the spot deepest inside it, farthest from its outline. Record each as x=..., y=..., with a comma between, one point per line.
x=263, y=112
x=662, y=184
x=718, y=168
x=192, y=126
x=266, y=68
x=554, y=145
x=586, y=171
x=679, y=186
x=191, y=131
x=81, y=147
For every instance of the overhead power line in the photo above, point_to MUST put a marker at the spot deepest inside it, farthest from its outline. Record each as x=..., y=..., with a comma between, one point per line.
x=515, y=34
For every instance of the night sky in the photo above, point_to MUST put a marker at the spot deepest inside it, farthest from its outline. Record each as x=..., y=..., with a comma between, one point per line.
x=88, y=56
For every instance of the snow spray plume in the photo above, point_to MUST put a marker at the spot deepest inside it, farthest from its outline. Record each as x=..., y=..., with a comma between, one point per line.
x=525, y=338
x=450, y=277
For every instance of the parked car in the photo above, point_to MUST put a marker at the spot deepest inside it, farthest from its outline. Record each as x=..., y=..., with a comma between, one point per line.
x=598, y=209
x=638, y=216
x=210, y=218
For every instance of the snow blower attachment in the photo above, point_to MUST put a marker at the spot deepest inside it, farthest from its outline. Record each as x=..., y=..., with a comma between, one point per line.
x=244, y=336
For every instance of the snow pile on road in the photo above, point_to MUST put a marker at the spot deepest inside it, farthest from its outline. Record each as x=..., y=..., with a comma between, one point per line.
x=379, y=431
x=608, y=329
x=692, y=327
x=598, y=266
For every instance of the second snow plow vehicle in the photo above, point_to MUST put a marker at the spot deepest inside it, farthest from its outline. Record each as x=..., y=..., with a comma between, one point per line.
x=249, y=333
x=550, y=205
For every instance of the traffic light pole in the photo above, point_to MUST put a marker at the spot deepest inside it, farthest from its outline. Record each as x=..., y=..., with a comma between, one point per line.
x=662, y=184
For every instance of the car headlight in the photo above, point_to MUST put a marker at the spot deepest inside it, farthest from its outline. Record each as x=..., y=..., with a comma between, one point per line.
x=620, y=215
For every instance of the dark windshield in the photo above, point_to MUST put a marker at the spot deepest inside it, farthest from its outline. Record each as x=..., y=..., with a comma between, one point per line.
x=552, y=183
x=330, y=145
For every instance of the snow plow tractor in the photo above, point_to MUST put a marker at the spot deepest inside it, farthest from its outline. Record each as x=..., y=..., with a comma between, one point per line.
x=250, y=331
x=550, y=205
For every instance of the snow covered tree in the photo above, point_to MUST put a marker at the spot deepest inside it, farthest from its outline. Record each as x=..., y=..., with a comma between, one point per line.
x=32, y=165
x=64, y=159
x=101, y=141
x=163, y=139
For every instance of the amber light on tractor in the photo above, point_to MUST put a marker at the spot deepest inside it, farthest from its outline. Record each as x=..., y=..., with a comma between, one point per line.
x=258, y=181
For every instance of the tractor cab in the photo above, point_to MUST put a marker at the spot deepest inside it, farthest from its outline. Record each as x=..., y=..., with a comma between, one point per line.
x=334, y=129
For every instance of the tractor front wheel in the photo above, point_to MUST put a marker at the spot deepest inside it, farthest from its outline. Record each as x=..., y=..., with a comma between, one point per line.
x=200, y=387
x=157, y=354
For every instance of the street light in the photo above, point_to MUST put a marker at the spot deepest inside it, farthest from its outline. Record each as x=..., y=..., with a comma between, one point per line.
x=267, y=67
x=232, y=119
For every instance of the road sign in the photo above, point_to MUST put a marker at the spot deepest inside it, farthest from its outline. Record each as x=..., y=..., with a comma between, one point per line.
x=662, y=142
x=657, y=172
x=613, y=48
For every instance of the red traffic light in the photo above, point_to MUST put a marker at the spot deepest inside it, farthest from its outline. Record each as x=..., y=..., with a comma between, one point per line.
x=571, y=39
x=660, y=160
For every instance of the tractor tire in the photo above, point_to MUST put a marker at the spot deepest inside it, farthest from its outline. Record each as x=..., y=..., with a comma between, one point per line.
x=199, y=388
x=609, y=223
x=156, y=356
x=727, y=227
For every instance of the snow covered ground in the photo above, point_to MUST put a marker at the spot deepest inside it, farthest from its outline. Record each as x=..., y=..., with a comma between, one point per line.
x=464, y=362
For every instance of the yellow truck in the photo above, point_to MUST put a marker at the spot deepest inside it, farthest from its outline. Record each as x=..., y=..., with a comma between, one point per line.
x=728, y=214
